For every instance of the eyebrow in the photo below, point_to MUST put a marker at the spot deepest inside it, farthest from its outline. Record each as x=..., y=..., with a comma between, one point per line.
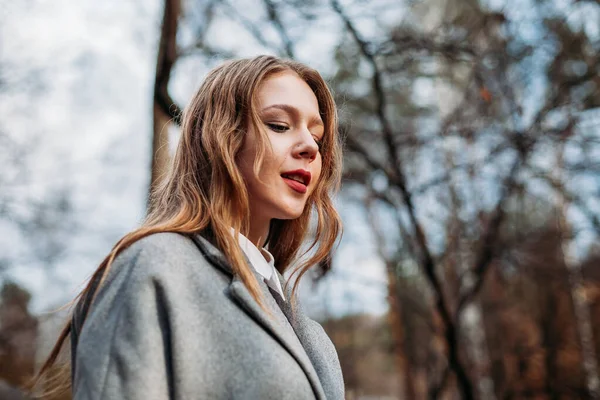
x=316, y=120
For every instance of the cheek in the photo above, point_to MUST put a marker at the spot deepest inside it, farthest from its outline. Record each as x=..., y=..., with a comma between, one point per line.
x=317, y=166
x=246, y=155
x=244, y=164
x=318, y=163
x=276, y=154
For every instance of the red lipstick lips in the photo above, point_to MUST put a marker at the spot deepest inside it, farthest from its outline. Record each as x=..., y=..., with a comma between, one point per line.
x=298, y=179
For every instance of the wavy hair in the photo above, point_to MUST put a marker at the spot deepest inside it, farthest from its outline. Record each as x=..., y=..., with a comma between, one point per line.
x=203, y=191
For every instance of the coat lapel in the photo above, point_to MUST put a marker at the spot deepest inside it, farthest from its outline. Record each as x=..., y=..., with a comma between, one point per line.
x=240, y=293
x=317, y=345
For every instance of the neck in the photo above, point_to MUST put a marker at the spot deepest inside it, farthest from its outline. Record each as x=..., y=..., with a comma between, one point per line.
x=259, y=230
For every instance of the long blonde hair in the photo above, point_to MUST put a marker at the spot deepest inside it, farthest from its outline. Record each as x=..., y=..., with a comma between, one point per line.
x=204, y=190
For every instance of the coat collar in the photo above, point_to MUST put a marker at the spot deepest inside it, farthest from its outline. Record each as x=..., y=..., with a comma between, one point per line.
x=243, y=297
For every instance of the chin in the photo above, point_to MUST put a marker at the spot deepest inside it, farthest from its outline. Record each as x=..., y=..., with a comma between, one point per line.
x=289, y=215
x=291, y=212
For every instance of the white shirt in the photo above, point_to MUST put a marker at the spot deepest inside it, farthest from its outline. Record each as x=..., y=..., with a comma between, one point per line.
x=265, y=267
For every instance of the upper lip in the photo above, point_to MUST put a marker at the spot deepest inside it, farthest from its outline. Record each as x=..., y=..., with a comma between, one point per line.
x=302, y=173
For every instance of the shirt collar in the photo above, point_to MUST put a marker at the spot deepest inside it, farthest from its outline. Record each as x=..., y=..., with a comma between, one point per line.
x=261, y=265
x=264, y=265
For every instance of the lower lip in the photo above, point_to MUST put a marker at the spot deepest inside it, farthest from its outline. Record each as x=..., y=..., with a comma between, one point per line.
x=297, y=186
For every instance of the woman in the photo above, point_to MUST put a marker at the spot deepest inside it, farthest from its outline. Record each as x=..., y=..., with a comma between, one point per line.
x=192, y=305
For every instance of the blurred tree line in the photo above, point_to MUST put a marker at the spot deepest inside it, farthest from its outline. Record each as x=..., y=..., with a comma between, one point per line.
x=472, y=137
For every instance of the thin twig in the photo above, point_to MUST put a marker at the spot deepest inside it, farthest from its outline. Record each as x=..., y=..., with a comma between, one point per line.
x=276, y=20
x=398, y=179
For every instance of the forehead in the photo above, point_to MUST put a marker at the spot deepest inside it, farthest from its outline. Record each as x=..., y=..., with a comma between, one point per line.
x=288, y=88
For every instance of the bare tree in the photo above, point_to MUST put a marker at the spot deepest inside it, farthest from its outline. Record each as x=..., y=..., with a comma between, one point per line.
x=452, y=171
x=164, y=108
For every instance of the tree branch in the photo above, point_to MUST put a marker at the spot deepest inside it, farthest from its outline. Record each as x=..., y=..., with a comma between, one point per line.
x=164, y=109
x=399, y=179
x=276, y=20
x=167, y=56
x=569, y=197
x=487, y=249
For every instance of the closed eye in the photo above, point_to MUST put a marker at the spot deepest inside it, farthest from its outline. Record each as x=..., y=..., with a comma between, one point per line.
x=319, y=142
x=277, y=127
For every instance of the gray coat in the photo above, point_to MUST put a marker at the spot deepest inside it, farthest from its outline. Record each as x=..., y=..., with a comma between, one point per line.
x=172, y=322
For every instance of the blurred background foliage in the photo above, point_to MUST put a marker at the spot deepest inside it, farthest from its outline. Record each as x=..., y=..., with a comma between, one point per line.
x=472, y=146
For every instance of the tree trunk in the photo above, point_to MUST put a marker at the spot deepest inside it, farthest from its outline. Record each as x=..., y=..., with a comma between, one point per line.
x=395, y=320
x=395, y=311
x=580, y=305
x=162, y=104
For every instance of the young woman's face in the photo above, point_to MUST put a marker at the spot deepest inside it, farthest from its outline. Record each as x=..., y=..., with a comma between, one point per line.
x=289, y=112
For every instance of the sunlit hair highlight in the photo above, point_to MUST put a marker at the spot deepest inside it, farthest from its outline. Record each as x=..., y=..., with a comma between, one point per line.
x=204, y=193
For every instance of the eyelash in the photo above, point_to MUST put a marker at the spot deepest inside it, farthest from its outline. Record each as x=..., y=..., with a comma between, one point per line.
x=282, y=128
x=278, y=127
x=319, y=143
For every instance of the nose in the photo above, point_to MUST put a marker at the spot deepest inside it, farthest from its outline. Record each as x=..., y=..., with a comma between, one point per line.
x=306, y=147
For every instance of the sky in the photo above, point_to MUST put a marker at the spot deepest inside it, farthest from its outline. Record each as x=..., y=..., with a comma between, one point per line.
x=80, y=80
x=77, y=94
x=90, y=119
